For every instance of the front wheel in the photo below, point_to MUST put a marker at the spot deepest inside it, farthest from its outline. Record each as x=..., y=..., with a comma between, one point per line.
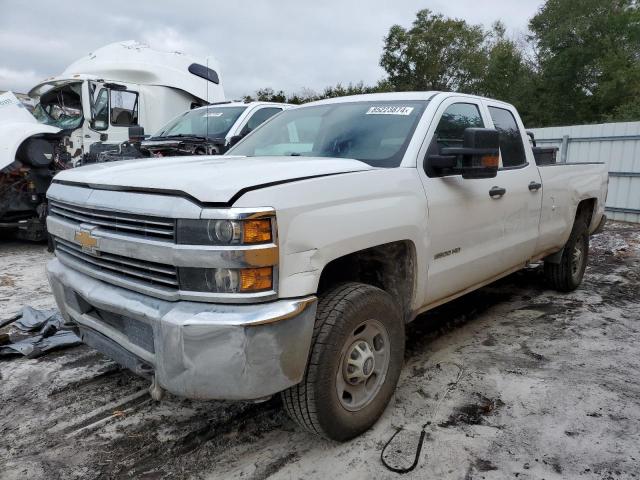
x=356, y=357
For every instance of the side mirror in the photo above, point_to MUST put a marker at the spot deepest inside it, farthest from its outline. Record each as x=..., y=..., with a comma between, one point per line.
x=98, y=125
x=483, y=153
x=136, y=134
x=235, y=139
x=479, y=156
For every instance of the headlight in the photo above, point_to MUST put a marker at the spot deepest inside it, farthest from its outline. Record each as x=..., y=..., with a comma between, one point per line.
x=226, y=280
x=224, y=232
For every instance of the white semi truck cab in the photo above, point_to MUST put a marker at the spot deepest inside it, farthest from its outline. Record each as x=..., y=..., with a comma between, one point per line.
x=88, y=109
x=292, y=263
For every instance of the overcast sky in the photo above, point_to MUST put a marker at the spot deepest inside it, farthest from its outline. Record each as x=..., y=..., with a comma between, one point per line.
x=283, y=44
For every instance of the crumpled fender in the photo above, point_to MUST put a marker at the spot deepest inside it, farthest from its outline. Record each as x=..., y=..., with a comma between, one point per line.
x=16, y=125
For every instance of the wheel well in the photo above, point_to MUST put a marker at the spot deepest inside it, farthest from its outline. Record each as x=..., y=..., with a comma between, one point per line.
x=390, y=266
x=586, y=209
x=584, y=213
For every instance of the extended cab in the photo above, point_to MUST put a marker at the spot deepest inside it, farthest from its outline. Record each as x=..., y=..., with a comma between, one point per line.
x=293, y=263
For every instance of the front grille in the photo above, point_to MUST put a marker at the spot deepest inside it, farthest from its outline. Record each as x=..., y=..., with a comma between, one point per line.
x=114, y=351
x=141, y=225
x=137, y=332
x=143, y=271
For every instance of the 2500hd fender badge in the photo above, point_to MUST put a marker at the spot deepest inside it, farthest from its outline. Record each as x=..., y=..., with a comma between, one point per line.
x=87, y=241
x=446, y=253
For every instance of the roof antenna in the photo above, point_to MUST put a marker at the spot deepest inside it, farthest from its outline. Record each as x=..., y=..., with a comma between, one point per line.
x=206, y=114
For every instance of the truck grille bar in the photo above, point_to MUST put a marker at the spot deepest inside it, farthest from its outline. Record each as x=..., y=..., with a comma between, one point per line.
x=151, y=273
x=146, y=226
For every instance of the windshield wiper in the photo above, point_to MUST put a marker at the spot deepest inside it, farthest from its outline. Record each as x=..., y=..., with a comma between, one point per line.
x=180, y=135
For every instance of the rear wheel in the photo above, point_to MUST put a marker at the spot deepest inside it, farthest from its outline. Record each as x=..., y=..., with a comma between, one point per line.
x=356, y=358
x=566, y=275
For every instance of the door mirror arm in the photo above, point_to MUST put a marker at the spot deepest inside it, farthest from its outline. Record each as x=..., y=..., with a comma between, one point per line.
x=440, y=162
x=235, y=139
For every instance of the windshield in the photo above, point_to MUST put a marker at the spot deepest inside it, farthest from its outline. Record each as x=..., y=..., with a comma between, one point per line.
x=374, y=132
x=210, y=122
x=61, y=107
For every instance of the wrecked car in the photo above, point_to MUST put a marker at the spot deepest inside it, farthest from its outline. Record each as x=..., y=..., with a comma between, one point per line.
x=291, y=264
x=208, y=130
x=26, y=167
x=86, y=110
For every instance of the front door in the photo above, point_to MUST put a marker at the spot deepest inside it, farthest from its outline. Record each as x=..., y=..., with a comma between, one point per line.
x=109, y=113
x=95, y=100
x=469, y=219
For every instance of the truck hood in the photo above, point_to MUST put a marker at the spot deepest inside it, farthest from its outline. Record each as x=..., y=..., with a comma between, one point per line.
x=16, y=125
x=208, y=179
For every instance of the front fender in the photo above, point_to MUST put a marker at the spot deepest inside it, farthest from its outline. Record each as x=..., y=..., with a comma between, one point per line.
x=322, y=219
x=16, y=125
x=12, y=136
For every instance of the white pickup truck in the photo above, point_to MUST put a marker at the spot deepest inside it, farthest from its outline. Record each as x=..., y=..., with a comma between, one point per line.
x=293, y=263
x=209, y=130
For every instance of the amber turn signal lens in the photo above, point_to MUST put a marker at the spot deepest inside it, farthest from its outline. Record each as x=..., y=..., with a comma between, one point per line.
x=256, y=231
x=256, y=279
x=490, y=161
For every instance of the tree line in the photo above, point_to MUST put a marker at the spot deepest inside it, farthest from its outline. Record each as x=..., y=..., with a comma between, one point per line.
x=579, y=63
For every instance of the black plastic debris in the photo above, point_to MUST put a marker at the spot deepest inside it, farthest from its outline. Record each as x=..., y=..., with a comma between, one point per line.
x=30, y=320
x=36, y=332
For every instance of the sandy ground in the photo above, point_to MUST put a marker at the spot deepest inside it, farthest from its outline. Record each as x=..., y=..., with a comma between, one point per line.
x=515, y=381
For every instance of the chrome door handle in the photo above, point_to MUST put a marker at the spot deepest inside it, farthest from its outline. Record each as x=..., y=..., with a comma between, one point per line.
x=497, y=192
x=535, y=186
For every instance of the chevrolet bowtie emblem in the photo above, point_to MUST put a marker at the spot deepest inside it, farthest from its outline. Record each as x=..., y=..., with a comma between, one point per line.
x=86, y=240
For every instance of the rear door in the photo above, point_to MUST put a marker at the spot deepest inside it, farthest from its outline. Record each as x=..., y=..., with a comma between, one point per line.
x=518, y=171
x=472, y=227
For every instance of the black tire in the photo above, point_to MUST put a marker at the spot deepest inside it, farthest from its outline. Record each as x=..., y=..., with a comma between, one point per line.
x=314, y=403
x=566, y=275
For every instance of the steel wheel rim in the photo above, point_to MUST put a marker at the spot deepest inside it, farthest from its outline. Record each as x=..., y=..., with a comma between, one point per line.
x=577, y=258
x=364, y=362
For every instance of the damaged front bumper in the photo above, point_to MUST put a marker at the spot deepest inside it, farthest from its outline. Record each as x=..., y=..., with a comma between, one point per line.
x=194, y=349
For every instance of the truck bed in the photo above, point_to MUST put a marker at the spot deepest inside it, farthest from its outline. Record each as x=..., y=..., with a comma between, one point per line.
x=564, y=185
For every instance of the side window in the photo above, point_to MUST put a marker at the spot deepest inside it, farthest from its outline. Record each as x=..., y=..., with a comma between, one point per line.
x=124, y=108
x=258, y=118
x=450, y=133
x=511, y=147
x=100, y=109
x=455, y=119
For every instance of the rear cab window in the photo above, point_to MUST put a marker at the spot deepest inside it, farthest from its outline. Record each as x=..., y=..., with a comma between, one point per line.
x=511, y=146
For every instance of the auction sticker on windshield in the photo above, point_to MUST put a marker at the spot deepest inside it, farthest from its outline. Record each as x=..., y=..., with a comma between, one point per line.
x=390, y=110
